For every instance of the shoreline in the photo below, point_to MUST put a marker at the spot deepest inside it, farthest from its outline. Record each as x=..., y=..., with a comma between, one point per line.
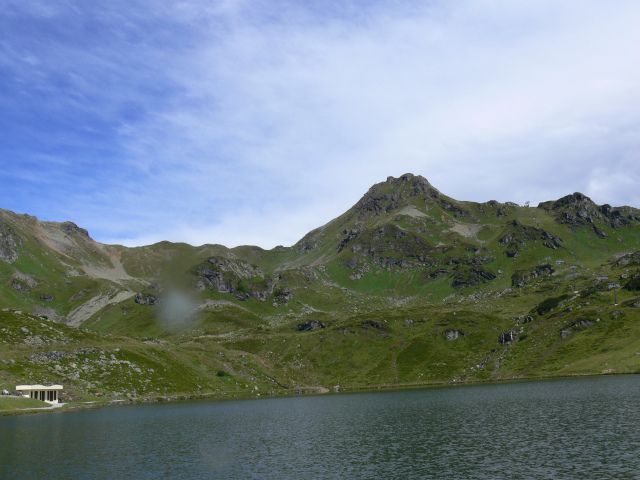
x=292, y=392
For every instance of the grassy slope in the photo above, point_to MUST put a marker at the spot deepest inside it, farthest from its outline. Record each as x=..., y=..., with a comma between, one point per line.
x=14, y=403
x=375, y=333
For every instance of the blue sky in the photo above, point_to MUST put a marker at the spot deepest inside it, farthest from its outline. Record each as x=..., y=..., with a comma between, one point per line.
x=253, y=122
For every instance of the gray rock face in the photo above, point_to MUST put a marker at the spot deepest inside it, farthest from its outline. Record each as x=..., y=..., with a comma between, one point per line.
x=633, y=259
x=521, y=278
x=8, y=243
x=507, y=337
x=72, y=229
x=467, y=277
x=452, y=335
x=215, y=278
x=311, y=325
x=263, y=290
x=376, y=201
x=352, y=263
x=599, y=232
x=374, y=324
x=34, y=340
x=18, y=285
x=581, y=324
x=146, y=299
x=241, y=268
x=47, y=297
x=284, y=294
x=514, y=242
x=552, y=242
x=579, y=209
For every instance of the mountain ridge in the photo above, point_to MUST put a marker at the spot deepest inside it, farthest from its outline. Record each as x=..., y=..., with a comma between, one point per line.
x=501, y=275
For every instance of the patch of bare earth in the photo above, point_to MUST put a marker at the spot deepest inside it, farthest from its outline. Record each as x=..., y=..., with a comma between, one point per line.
x=77, y=316
x=466, y=229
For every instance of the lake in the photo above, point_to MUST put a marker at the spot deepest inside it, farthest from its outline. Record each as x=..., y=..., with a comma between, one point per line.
x=570, y=429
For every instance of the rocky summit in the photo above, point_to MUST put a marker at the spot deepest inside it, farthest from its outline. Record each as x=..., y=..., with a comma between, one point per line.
x=407, y=287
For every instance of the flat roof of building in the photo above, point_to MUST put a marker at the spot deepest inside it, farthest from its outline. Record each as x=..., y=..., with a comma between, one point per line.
x=38, y=387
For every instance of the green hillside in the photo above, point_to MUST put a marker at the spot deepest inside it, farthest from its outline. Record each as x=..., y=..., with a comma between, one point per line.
x=408, y=287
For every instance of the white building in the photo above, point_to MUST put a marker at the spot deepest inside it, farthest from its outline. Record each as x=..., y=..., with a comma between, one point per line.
x=46, y=394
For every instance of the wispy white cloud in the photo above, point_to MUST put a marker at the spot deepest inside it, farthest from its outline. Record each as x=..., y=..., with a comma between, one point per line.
x=253, y=122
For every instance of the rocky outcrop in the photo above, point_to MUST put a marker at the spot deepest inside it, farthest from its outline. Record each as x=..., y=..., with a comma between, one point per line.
x=507, y=337
x=9, y=242
x=47, y=297
x=580, y=324
x=239, y=267
x=633, y=283
x=283, y=294
x=521, y=278
x=632, y=259
x=454, y=208
x=522, y=236
x=239, y=278
x=72, y=229
x=575, y=209
x=213, y=277
x=393, y=194
x=147, y=299
x=20, y=286
x=599, y=232
x=579, y=210
x=470, y=276
x=388, y=246
x=263, y=289
x=374, y=323
x=311, y=325
x=452, y=335
x=480, y=259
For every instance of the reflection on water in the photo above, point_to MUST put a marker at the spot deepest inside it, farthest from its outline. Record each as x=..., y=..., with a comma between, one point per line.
x=579, y=428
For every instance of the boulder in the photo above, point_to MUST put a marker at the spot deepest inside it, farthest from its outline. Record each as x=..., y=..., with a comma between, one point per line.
x=599, y=232
x=20, y=286
x=311, y=325
x=374, y=324
x=507, y=337
x=452, y=335
x=147, y=299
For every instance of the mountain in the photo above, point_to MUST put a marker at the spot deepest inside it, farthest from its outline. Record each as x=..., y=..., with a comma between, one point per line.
x=409, y=286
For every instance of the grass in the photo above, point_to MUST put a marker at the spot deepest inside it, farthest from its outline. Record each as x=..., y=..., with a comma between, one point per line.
x=15, y=403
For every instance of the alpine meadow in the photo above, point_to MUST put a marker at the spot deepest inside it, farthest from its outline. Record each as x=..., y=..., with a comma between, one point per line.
x=409, y=287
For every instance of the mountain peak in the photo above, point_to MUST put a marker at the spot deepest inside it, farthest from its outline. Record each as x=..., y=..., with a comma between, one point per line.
x=394, y=193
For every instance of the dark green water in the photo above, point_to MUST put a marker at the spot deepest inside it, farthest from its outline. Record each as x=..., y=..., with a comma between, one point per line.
x=570, y=429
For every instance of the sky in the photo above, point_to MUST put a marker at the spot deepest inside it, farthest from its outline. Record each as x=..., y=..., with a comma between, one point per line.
x=253, y=122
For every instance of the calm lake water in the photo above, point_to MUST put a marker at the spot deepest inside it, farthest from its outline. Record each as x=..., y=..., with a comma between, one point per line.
x=571, y=429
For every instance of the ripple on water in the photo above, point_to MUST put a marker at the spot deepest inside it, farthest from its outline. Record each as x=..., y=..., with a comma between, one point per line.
x=578, y=428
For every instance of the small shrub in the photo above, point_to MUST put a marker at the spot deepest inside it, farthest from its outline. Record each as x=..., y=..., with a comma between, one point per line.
x=549, y=304
x=242, y=287
x=633, y=284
